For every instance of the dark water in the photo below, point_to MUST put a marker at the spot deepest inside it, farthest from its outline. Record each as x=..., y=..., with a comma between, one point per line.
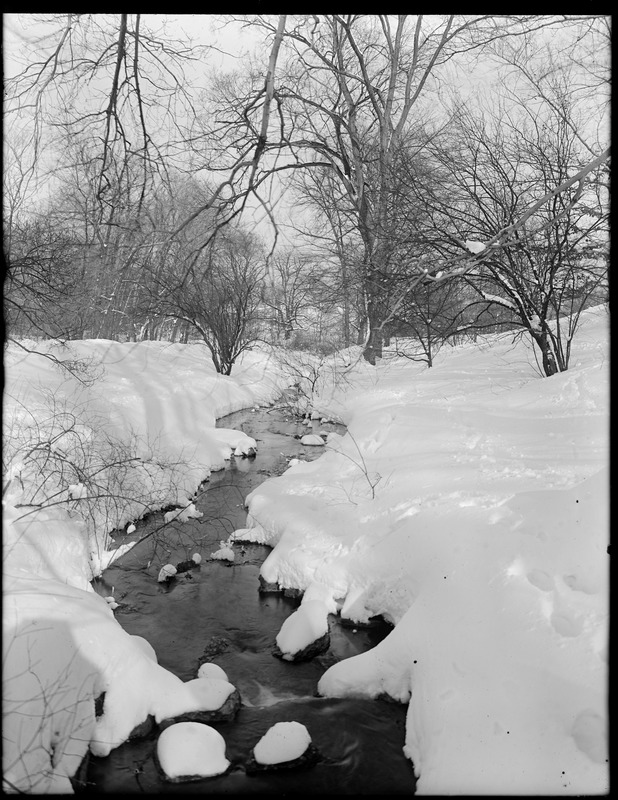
x=218, y=615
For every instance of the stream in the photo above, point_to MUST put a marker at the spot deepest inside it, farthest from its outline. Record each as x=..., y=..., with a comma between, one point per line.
x=216, y=613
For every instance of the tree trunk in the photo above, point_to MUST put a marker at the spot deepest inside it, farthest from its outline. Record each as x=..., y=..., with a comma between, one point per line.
x=373, y=347
x=549, y=362
x=362, y=331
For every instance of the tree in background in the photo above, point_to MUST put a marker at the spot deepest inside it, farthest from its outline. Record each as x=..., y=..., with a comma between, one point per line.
x=351, y=90
x=219, y=297
x=430, y=317
x=554, y=263
x=348, y=102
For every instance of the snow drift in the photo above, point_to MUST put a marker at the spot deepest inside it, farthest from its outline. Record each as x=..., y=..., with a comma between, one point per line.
x=467, y=504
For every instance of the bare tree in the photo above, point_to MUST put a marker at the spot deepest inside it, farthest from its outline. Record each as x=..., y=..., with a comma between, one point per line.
x=430, y=316
x=345, y=102
x=297, y=294
x=219, y=296
x=331, y=233
x=110, y=79
x=554, y=261
x=39, y=281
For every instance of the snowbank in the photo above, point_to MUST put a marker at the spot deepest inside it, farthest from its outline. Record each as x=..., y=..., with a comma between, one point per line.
x=152, y=413
x=468, y=505
x=148, y=408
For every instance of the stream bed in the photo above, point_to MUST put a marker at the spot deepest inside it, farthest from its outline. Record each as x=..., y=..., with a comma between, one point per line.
x=215, y=613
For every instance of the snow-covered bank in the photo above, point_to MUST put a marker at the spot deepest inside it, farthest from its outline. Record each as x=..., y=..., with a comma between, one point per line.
x=83, y=458
x=468, y=504
x=150, y=412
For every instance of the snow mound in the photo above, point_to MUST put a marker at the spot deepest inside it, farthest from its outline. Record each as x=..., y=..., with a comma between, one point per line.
x=166, y=572
x=182, y=514
x=190, y=751
x=210, y=670
x=313, y=440
x=285, y=741
x=225, y=552
x=146, y=647
x=308, y=623
x=468, y=505
x=207, y=693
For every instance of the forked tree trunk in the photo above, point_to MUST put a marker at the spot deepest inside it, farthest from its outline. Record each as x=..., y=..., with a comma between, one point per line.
x=550, y=367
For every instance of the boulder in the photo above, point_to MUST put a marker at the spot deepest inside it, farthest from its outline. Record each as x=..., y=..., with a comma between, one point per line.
x=144, y=729
x=225, y=713
x=309, y=758
x=286, y=745
x=166, y=573
x=213, y=647
x=190, y=751
x=312, y=440
x=312, y=650
x=295, y=594
x=79, y=781
x=268, y=588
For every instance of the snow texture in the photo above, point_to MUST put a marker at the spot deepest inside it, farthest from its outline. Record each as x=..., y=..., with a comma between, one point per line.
x=210, y=670
x=166, y=572
x=285, y=741
x=474, y=247
x=308, y=623
x=312, y=439
x=225, y=552
x=191, y=750
x=467, y=504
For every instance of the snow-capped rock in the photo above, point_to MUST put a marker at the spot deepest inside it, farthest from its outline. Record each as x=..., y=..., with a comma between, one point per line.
x=313, y=440
x=166, y=573
x=285, y=745
x=190, y=751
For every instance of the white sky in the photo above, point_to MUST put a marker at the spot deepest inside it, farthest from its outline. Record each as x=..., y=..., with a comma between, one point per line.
x=229, y=42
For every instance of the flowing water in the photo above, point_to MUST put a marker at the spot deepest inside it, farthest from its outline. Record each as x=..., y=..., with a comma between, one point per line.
x=216, y=613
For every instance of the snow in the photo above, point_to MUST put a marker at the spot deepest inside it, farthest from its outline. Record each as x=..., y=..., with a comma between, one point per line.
x=146, y=647
x=62, y=645
x=285, y=741
x=191, y=750
x=312, y=439
x=209, y=670
x=182, y=514
x=210, y=693
x=308, y=623
x=467, y=504
x=166, y=572
x=225, y=552
x=474, y=247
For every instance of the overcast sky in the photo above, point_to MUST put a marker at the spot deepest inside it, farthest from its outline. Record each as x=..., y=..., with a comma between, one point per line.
x=229, y=42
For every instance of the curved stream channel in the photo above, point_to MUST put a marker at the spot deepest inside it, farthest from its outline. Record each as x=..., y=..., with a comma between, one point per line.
x=216, y=613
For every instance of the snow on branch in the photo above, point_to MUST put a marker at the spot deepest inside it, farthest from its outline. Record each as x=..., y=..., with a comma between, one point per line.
x=462, y=265
x=500, y=238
